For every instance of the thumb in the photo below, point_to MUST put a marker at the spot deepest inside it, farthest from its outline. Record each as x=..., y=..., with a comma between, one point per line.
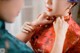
x=43, y=15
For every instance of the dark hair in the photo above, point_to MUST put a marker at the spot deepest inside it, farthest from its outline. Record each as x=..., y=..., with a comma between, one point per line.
x=73, y=1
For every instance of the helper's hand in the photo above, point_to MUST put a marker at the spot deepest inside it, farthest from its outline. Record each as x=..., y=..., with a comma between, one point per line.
x=26, y=33
x=42, y=20
x=60, y=26
x=27, y=28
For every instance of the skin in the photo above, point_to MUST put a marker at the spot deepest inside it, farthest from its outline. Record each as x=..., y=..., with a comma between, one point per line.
x=9, y=9
x=28, y=28
x=58, y=8
x=54, y=9
x=60, y=27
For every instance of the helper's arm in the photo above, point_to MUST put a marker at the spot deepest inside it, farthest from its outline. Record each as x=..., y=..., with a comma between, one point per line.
x=60, y=27
x=28, y=29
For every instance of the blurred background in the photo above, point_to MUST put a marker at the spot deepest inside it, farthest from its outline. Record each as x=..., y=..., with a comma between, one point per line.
x=30, y=12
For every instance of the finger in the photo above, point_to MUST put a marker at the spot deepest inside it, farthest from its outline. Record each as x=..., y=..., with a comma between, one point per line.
x=57, y=19
x=65, y=28
x=48, y=21
x=27, y=23
x=27, y=29
x=39, y=15
x=28, y=26
x=62, y=18
x=66, y=24
x=43, y=15
x=61, y=22
x=54, y=25
x=58, y=22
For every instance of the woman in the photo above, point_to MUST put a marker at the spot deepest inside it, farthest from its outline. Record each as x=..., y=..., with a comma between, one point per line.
x=9, y=9
x=61, y=37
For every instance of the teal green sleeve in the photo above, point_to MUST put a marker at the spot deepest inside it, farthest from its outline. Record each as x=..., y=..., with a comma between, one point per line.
x=12, y=45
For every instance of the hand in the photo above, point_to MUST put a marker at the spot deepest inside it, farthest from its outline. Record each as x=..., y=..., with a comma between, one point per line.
x=60, y=26
x=27, y=28
x=42, y=20
x=26, y=33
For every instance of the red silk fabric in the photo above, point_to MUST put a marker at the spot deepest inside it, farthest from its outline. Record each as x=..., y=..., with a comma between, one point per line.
x=43, y=40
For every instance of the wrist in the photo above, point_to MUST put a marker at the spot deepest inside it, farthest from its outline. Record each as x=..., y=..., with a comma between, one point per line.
x=36, y=24
x=59, y=40
x=60, y=36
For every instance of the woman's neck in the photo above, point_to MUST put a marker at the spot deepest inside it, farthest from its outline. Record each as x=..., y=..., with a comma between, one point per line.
x=65, y=14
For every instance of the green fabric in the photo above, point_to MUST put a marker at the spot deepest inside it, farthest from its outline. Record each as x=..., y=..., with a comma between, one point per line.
x=10, y=43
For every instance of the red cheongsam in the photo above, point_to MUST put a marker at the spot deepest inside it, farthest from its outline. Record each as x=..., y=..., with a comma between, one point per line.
x=43, y=40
